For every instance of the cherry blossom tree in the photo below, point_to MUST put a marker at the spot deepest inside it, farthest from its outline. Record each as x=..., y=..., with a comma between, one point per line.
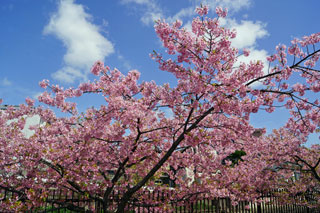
x=300, y=169
x=125, y=145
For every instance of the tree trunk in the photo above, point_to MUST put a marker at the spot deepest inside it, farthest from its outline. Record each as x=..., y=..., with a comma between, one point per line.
x=124, y=201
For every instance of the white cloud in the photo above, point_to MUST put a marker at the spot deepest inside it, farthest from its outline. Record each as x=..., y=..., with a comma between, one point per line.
x=232, y=5
x=152, y=11
x=150, y=17
x=256, y=55
x=248, y=32
x=184, y=12
x=83, y=40
x=5, y=82
x=36, y=95
x=69, y=74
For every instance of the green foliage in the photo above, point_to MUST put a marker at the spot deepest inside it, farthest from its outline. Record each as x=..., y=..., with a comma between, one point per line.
x=234, y=157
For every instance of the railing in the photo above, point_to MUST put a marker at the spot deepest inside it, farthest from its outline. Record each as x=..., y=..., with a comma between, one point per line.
x=67, y=201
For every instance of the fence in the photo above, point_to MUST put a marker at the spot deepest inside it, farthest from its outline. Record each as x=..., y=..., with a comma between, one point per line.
x=66, y=201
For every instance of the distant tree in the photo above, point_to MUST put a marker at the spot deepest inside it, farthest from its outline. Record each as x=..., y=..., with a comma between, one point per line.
x=234, y=157
x=124, y=146
x=298, y=170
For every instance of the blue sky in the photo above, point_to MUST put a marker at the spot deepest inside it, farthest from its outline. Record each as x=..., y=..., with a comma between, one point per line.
x=60, y=40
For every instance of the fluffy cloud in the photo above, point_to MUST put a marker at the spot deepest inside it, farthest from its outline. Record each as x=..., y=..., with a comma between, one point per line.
x=150, y=17
x=151, y=11
x=256, y=55
x=232, y=5
x=248, y=32
x=184, y=12
x=82, y=39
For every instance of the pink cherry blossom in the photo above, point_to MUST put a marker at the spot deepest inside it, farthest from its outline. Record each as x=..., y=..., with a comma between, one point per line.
x=221, y=12
x=44, y=84
x=30, y=102
x=203, y=10
x=97, y=68
x=246, y=52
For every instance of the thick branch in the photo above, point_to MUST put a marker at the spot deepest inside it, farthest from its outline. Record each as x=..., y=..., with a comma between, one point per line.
x=170, y=151
x=312, y=168
x=276, y=73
